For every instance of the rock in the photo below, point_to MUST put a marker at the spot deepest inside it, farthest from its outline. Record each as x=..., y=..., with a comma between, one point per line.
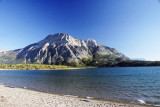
x=2, y=99
x=84, y=100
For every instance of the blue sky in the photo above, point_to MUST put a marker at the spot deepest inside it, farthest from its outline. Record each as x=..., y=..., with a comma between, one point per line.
x=130, y=26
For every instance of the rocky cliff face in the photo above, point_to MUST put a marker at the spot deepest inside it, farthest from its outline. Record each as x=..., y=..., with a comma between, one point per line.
x=61, y=47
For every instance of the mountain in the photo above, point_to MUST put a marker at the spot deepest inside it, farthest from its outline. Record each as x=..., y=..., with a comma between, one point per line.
x=2, y=50
x=62, y=48
x=138, y=59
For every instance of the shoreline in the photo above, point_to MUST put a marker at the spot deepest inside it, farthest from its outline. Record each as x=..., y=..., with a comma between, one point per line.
x=46, y=69
x=56, y=68
x=13, y=97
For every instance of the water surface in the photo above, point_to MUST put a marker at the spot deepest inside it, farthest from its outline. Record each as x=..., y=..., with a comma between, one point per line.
x=126, y=84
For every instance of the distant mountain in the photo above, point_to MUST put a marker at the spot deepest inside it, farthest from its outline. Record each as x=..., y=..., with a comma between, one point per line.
x=2, y=50
x=139, y=59
x=62, y=48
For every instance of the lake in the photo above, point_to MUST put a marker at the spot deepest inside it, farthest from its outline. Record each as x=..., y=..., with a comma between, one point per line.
x=124, y=84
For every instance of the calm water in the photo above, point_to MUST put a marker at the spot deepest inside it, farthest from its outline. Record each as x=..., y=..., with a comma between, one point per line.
x=129, y=84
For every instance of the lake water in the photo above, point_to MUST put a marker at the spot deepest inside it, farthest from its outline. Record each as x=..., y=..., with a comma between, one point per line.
x=125, y=84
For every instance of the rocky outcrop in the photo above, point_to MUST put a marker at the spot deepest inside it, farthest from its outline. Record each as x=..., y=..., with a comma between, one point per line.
x=62, y=47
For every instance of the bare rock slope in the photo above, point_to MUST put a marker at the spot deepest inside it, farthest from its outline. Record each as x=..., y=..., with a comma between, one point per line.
x=59, y=48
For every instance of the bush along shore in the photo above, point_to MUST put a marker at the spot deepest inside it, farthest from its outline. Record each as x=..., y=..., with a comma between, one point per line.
x=33, y=67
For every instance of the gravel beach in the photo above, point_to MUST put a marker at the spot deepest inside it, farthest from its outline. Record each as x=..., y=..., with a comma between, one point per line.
x=17, y=97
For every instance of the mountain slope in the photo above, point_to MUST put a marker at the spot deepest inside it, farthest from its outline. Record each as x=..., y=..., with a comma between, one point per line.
x=61, y=48
x=2, y=50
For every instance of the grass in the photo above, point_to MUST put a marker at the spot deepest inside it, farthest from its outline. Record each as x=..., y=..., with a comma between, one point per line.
x=33, y=66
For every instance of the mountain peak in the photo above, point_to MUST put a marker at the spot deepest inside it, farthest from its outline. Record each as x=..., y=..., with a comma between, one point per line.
x=57, y=38
x=57, y=35
x=92, y=42
x=63, y=38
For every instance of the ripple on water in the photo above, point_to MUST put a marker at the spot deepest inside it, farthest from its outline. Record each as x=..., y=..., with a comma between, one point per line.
x=123, y=84
x=157, y=103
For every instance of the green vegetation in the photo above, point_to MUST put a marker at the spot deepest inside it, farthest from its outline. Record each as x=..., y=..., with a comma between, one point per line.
x=135, y=63
x=95, y=61
x=80, y=64
x=33, y=66
x=104, y=60
x=87, y=61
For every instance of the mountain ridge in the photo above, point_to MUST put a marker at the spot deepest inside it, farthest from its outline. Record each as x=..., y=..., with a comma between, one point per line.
x=62, y=48
x=1, y=50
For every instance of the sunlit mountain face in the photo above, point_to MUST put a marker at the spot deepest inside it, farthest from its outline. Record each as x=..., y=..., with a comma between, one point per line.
x=62, y=48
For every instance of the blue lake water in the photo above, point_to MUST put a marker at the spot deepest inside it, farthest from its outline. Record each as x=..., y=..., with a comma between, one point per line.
x=125, y=84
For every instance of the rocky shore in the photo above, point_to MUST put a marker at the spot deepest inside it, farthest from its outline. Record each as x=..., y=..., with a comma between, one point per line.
x=17, y=97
